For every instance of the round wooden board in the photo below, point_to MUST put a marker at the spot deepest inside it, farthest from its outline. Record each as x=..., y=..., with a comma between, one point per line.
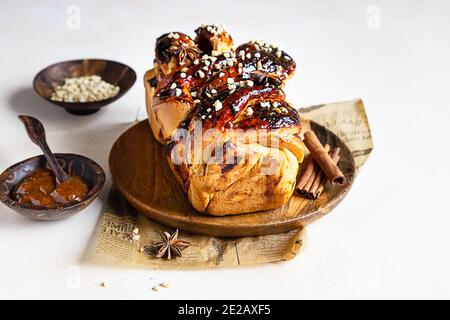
x=140, y=171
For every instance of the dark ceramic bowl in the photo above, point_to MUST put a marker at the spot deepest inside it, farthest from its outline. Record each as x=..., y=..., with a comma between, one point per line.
x=73, y=164
x=113, y=72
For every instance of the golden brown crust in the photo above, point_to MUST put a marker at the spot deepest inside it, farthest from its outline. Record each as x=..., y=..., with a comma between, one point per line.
x=210, y=85
x=213, y=38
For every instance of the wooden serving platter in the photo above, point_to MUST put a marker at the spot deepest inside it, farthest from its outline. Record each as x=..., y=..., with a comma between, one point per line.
x=140, y=171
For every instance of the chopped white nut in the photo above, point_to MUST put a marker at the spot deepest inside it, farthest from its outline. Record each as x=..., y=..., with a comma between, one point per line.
x=183, y=75
x=135, y=237
x=178, y=92
x=201, y=74
x=218, y=105
x=259, y=65
x=173, y=86
x=84, y=89
x=249, y=111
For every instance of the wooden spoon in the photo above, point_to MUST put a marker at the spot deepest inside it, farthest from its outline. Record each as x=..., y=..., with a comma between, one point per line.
x=36, y=132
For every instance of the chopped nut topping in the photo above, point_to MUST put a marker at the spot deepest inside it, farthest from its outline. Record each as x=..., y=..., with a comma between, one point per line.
x=217, y=105
x=178, y=92
x=259, y=65
x=84, y=89
x=249, y=111
x=201, y=74
x=183, y=75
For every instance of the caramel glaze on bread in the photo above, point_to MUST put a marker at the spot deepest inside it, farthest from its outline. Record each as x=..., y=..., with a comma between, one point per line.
x=206, y=82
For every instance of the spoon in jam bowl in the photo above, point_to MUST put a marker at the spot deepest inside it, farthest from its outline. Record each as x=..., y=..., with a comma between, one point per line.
x=50, y=186
x=36, y=132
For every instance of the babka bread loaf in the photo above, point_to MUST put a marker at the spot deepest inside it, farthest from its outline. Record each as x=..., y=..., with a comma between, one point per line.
x=232, y=139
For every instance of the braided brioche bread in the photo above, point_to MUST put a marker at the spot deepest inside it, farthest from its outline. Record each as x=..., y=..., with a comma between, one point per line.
x=232, y=139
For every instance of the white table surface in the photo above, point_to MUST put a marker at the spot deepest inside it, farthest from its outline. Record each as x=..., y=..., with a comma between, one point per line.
x=388, y=239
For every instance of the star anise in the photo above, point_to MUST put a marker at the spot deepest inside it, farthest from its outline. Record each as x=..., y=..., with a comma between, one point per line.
x=184, y=51
x=170, y=246
x=262, y=78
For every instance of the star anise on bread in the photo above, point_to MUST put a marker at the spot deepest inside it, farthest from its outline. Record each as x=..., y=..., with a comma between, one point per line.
x=262, y=78
x=170, y=246
x=184, y=51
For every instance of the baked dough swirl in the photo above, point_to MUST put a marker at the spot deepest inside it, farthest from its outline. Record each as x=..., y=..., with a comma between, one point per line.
x=249, y=150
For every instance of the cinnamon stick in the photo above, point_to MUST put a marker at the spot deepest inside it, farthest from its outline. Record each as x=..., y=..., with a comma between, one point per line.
x=309, y=174
x=315, y=193
x=318, y=178
x=323, y=159
x=305, y=174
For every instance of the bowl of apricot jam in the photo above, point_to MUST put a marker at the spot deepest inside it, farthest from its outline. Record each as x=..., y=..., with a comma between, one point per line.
x=30, y=188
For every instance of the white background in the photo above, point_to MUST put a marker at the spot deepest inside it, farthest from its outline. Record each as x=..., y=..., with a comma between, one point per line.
x=388, y=239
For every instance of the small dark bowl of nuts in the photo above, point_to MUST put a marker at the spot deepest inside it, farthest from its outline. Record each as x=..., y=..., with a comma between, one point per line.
x=29, y=187
x=82, y=87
